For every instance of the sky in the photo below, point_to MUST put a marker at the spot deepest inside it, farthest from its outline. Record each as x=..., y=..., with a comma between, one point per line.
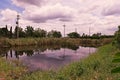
x=98, y=16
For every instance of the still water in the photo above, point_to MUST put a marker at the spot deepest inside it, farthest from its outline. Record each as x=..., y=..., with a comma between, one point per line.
x=46, y=58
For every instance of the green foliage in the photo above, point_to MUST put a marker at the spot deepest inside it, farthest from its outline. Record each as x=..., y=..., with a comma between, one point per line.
x=96, y=36
x=116, y=70
x=117, y=55
x=21, y=33
x=73, y=35
x=117, y=38
x=54, y=34
x=116, y=60
x=39, y=33
x=29, y=31
x=4, y=32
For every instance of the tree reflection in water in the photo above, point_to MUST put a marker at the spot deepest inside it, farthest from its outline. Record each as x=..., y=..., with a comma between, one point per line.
x=29, y=51
x=46, y=56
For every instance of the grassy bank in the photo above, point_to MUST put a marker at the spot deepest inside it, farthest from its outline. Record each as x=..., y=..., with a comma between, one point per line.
x=53, y=41
x=96, y=67
x=10, y=70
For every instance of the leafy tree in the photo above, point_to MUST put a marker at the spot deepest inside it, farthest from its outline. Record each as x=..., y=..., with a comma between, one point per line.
x=84, y=35
x=73, y=35
x=96, y=36
x=117, y=38
x=55, y=34
x=29, y=31
x=4, y=32
x=21, y=32
x=40, y=33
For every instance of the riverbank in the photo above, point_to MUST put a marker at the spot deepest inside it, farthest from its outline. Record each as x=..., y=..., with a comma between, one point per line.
x=11, y=70
x=96, y=67
x=5, y=42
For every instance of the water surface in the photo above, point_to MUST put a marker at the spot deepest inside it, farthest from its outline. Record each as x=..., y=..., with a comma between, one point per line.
x=46, y=58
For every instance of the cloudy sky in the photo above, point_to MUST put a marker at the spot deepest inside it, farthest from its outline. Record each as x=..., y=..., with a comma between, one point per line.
x=98, y=15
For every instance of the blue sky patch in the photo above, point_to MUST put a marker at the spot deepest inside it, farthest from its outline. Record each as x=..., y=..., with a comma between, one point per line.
x=8, y=4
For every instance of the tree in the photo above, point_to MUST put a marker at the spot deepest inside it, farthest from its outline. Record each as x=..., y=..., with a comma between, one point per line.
x=117, y=38
x=96, y=36
x=40, y=33
x=55, y=34
x=84, y=35
x=29, y=31
x=73, y=35
x=4, y=32
x=21, y=32
x=117, y=55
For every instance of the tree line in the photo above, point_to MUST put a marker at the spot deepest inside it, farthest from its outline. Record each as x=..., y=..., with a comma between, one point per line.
x=29, y=31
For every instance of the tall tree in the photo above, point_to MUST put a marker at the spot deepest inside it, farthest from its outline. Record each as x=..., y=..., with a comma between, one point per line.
x=96, y=36
x=29, y=31
x=21, y=32
x=54, y=34
x=40, y=33
x=73, y=35
x=4, y=32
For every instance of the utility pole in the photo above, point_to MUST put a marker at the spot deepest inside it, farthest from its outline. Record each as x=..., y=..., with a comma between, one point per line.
x=11, y=34
x=76, y=30
x=89, y=31
x=64, y=29
x=17, y=26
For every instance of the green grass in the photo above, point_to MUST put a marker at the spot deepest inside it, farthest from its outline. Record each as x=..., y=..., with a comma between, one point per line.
x=95, y=67
x=10, y=71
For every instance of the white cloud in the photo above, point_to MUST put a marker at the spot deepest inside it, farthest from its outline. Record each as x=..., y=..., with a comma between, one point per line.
x=49, y=12
x=100, y=15
x=8, y=17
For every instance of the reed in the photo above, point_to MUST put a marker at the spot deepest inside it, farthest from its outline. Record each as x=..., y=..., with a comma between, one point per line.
x=53, y=41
